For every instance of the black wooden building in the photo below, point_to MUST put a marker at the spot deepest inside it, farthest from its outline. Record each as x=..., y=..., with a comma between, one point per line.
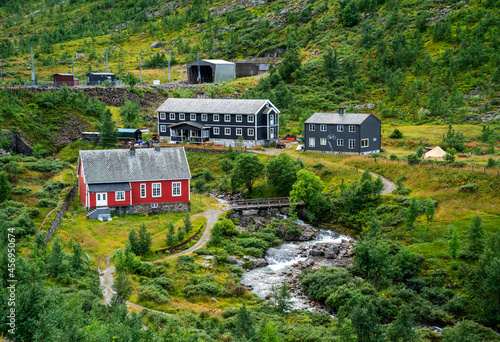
x=97, y=78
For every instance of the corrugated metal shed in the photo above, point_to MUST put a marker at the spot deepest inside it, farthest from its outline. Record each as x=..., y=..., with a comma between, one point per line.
x=211, y=71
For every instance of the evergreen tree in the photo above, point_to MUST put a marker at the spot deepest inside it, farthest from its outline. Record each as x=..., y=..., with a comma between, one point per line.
x=55, y=259
x=476, y=237
x=365, y=322
x=77, y=261
x=107, y=130
x=134, y=244
x=5, y=187
x=349, y=14
x=430, y=210
x=144, y=241
x=412, y=213
x=330, y=64
x=181, y=235
x=402, y=329
x=244, y=324
x=281, y=297
x=268, y=333
x=188, y=226
x=122, y=288
x=171, y=238
x=130, y=114
x=290, y=65
x=454, y=243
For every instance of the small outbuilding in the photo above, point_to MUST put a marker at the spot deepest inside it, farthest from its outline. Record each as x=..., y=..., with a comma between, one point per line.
x=436, y=153
x=129, y=134
x=210, y=71
x=65, y=79
x=97, y=78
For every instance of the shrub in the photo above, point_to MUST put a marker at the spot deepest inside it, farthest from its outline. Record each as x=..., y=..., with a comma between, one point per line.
x=491, y=163
x=45, y=165
x=161, y=282
x=151, y=293
x=45, y=203
x=21, y=191
x=202, y=289
x=393, y=156
x=203, y=251
x=396, y=134
x=413, y=159
x=469, y=187
x=318, y=166
x=253, y=242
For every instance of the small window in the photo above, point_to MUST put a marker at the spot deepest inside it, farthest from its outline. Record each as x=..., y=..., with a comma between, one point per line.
x=143, y=190
x=154, y=205
x=352, y=144
x=192, y=117
x=364, y=143
x=312, y=142
x=176, y=188
x=322, y=141
x=251, y=118
x=250, y=132
x=119, y=195
x=272, y=133
x=204, y=117
x=239, y=118
x=227, y=118
x=156, y=188
x=271, y=119
x=163, y=116
x=352, y=128
x=239, y=131
x=163, y=128
x=340, y=142
x=322, y=128
x=182, y=116
x=312, y=128
x=340, y=128
x=227, y=131
x=216, y=117
x=216, y=130
x=172, y=116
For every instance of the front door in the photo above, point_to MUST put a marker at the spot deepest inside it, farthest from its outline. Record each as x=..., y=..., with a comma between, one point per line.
x=101, y=199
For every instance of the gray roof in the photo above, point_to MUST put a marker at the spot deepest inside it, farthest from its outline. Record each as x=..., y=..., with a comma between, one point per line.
x=115, y=166
x=101, y=73
x=213, y=106
x=338, y=119
x=62, y=74
x=191, y=123
x=105, y=187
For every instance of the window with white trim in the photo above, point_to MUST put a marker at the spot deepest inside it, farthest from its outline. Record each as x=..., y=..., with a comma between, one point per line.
x=143, y=190
x=352, y=144
x=227, y=118
x=227, y=131
x=239, y=118
x=352, y=128
x=172, y=116
x=272, y=133
x=312, y=128
x=239, y=131
x=312, y=142
x=182, y=116
x=216, y=130
x=205, y=133
x=119, y=195
x=154, y=205
x=250, y=132
x=322, y=141
x=340, y=142
x=251, y=119
x=364, y=143
x=156, y=189
x=322, y=128
x=192, y=117
x=204, y=117
x=163, y=116
x=271, y=119
x=216, y=117
x=176, y=188
x=340, y=128
x=163, y=128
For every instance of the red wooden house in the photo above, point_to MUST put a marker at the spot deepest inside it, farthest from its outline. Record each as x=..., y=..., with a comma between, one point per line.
x=148, y=180
x=65, y=79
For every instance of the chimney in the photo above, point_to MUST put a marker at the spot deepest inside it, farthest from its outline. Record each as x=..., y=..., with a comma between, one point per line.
x=132, y=150
x=157, y=147
x=341, y=110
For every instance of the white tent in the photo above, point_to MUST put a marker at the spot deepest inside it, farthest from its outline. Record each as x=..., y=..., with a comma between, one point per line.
x=436, y=153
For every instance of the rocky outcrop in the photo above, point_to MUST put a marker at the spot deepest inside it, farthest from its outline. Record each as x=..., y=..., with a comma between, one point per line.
x=249, y=262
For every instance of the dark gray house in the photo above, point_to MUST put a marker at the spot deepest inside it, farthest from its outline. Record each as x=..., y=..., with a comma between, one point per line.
x=219, y=120
x=96, y=78
x=342, y=132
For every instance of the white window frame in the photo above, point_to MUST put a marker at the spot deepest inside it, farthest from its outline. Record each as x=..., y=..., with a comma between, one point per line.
x=163, y=116
x=176, y=189
x=227, y=131
x=352, y=144
x=191, y=116
x=144, y=192
x=322, y=141
x=172, y=116
x=340, y=128
x=250, y=132
x=352, y=128
x=250, y=119
x=216, y=131
x=227, y=118
x=322, y=128
x=163, y=128
x=313, y=140
x=340, y=142
x=365, y=143
x=239, y=131
x=312, y=127
x=119, y=198
x=154, y=205
x=204, y=117
x=216, y=117
x=205, y=133
x=271, y=132
x=182, y=116
x=271, y=119
x=239, y=118
x=156, y=190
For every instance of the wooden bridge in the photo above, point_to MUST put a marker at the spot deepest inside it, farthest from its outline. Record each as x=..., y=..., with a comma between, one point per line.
x=262, y=203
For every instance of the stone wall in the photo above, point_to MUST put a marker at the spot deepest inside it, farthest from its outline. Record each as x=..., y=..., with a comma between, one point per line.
x=162, y=208
x=20, y=146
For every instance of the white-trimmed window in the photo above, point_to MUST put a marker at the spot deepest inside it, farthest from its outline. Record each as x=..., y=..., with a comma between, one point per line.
x=322, y=141
x=239, y=131
x=251, y=119
x=119, y=195
x=322, y=128
x=154, y=205
x=340, y=142
x=271, y=119
x=216, y=117
x=172, y=116
x=163, y=116
x=352, y=144
x=227, y=131
x=216, y=130
x=205, y=133
x=340, y=128
x=143, y=190
x=192, y=117
x=364, y=142
x=272, y=133
x=312, y=142
x=227, y=118
x=156, y=189
x=182, y=116
x=176, y=188
x=204, y=117
x=312, y=128
x=352, y=128
x=250, y=132
x=239, y=118
x=163, y=128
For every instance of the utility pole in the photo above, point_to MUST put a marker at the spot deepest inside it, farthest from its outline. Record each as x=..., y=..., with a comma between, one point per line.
x=199, y=69
x=169, y=79
x=107, y=61
x=140, y=70
x=32, y=68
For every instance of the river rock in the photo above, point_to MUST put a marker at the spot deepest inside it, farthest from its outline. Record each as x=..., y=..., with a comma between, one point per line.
x=331, y=252
x=308, y=233
x=210, y=261
x=251, y=262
